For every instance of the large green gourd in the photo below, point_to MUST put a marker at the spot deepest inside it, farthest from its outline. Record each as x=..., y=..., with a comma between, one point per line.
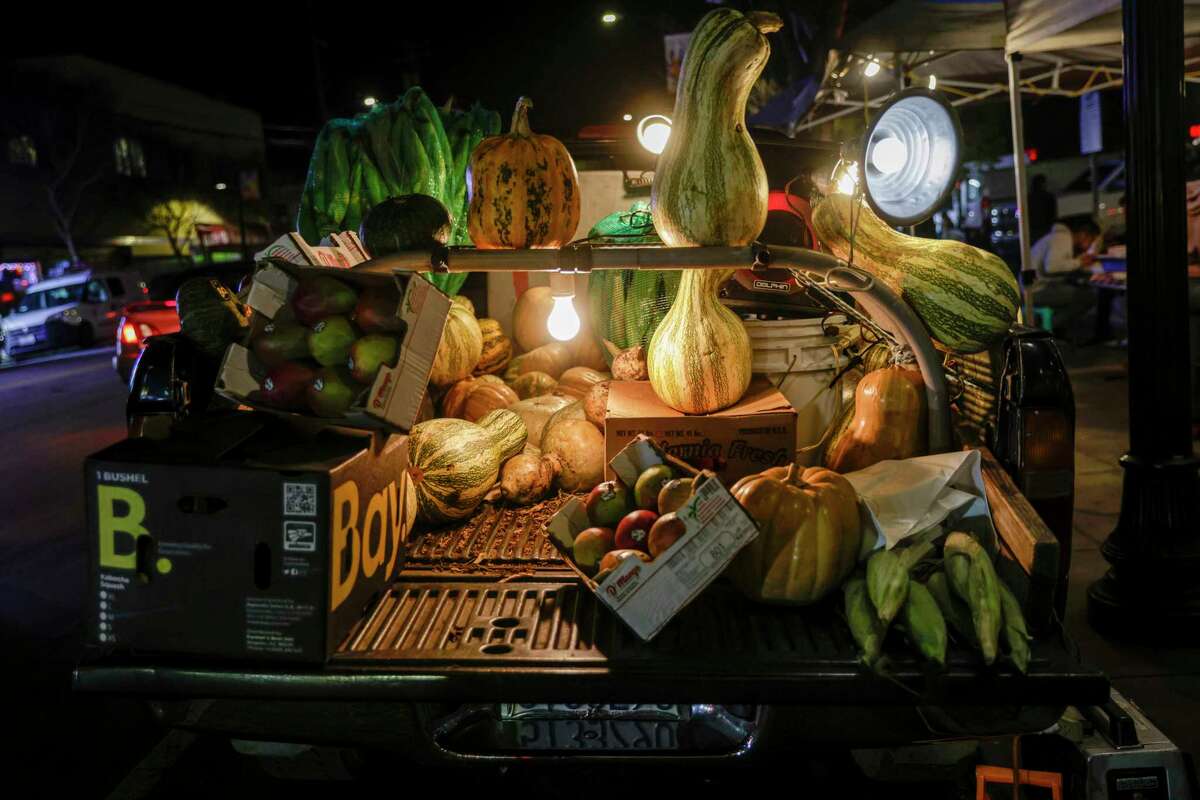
x=709, y=184
x=699, y=359
x=453, y=463
x=967, y=297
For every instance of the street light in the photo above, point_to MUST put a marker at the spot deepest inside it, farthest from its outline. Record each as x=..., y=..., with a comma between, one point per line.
x=221, y=187
x=369, y=101
x=653, y=132
x=608, y=18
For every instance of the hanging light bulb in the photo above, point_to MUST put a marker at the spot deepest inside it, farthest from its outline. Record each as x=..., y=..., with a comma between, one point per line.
x=932, y=83
x=845, y=177
x=872, y=68
x=653, y=132
x=563, y=322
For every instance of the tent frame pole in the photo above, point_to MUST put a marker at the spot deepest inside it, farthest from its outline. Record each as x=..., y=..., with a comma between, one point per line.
x=1154, y=551
x=1018, y=135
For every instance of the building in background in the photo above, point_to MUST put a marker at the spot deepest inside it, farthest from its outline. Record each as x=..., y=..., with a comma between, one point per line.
x=101, y=166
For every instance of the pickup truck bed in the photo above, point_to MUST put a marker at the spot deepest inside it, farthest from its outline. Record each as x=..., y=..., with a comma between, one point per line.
x=486, y=613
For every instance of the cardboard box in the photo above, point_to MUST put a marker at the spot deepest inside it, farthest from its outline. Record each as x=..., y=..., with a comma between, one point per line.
x=646, y=596
x=393, y=401
x=757, y=432
x=241, y=540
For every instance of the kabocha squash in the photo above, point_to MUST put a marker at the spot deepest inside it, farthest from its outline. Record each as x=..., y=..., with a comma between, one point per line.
x=709, y=184
x=889, y=421
x=453, y=463
x=497, y=348
x=459, y=349
x=699, y=360
x=524, y=189
x=809, y=534
x=967, y=298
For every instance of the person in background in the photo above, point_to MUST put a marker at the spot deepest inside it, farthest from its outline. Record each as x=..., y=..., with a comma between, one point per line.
x=1043, y=208
x=1061, y=257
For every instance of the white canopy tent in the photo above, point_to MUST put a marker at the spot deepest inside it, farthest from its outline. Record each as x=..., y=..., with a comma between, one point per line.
x=974, y=49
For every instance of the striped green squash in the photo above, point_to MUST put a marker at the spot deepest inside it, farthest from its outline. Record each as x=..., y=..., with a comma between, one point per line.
x=967, y=297
x=453, y=463
x=459, y=349
x=709, y=184
x=699, y=358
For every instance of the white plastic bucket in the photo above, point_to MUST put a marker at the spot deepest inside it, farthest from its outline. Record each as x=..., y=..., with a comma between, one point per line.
x=799, y=358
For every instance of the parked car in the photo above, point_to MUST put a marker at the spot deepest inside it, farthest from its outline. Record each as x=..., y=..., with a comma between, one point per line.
x=74, y=310
x=156, y=315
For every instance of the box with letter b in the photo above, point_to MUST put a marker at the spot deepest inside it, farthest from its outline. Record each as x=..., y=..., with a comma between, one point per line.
x=244, y=539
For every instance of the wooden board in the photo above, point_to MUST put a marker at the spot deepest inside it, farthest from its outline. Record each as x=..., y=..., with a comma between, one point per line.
x=1024, y=537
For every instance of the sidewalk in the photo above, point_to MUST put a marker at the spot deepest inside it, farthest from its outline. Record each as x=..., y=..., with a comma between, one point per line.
x=1163, y=680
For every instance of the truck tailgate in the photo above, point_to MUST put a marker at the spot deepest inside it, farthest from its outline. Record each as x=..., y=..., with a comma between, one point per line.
x=487, y=612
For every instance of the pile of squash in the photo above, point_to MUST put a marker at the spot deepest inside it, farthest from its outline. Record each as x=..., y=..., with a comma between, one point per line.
x=490, y=388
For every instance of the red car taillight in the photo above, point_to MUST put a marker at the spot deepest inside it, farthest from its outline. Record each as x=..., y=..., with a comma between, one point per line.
x=136, y=333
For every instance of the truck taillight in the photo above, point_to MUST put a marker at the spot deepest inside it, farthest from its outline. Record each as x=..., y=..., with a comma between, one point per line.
x=1047, y=440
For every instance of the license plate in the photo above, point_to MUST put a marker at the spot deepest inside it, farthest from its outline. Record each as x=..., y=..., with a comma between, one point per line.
x=608, y=727
x=25, y=341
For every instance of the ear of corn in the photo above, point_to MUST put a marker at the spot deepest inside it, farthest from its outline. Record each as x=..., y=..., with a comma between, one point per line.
x=925, y=625
x=983, y=589
x=953, y=609
x=868, y=633
x=887, y=584
x=1015, y=636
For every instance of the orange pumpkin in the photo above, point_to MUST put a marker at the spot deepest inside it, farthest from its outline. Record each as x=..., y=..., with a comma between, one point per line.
x=809, y=534
x=524, y=189
x=471, y=399
x=890, y=421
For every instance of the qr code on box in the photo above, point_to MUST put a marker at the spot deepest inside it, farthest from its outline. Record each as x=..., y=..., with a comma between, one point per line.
x=300, y=499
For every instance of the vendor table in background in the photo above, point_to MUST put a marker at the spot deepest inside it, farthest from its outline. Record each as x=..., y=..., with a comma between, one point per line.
x=1108, y=286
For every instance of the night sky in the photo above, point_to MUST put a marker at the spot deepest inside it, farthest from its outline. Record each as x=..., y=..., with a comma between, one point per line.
x=577, y=70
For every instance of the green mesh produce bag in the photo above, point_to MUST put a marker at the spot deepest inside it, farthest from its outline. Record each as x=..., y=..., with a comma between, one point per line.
x=626, y=305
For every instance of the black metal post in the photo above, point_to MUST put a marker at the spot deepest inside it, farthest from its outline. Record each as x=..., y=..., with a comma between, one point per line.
x=1155, y=549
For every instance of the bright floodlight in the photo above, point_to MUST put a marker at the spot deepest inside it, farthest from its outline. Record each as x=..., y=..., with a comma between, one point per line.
x=888, y=155
x=653, y=132
x=911, y=153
